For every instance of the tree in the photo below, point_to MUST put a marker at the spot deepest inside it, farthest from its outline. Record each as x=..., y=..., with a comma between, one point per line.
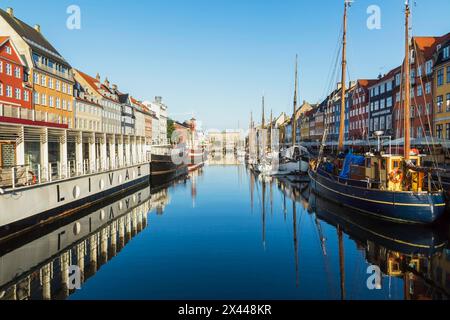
x=170, y=129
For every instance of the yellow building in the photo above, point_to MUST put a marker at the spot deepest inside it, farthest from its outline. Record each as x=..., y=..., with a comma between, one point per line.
x=51, y=75
x=442, y=92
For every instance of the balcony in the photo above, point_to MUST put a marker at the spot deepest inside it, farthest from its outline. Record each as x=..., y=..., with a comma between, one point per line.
x=64, y=75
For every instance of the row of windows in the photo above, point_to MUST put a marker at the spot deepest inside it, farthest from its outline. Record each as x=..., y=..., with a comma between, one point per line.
x=359, y=111
x=440, y=76
x=87, y=124
x=440, y=103
x=440, y=131
x=41, y=99
x=381, y=104
x=360, y=124
x=17, y=93
x=45, y=81
x=381, y=123
x=385, y=87
x=8, y=69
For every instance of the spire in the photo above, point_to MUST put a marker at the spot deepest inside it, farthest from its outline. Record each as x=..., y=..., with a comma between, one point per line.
x=263, y=122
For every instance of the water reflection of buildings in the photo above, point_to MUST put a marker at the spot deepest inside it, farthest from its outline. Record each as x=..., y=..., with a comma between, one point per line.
x=38, y=267
x=417, y=256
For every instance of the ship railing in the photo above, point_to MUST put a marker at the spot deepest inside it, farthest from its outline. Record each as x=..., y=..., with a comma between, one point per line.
x=13, y=177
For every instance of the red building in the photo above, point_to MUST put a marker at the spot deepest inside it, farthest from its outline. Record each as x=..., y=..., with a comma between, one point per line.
x=15, y=91
x=359, y=110
x=423, y=50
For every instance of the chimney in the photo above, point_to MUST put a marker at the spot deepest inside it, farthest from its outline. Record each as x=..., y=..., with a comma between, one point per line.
x=10, y=11
x=37, y=28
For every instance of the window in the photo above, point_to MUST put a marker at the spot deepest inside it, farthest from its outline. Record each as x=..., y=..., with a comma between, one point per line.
x=9, y=91
x=1, y=89
x=36, y=98
x=58, y=85
x=382, y=104
x=389, y=86
x=398, y=79
x=448, y=102
x=428, y=88
x=412, y=92
x=382, y=123
x=17, y=72
x=377, y=91
x=50, y=83
x=397, y=97
x=429, y=67
x=64, y=88
x=389, y=102
x=446, y=52
x=58, y=103
x=43, y=99
x=69, y=106
x=447, y=131
x=64, y=104
x=448, y=74
x=412, y=113
x=8, y=69
x=382, y=89
x=18, y=94
x=439, y=102
x=439, y=128
x=377, y=104
x=388, y=122
x=8, y=50
x=428, y=108
x=36, y=78
x=371, y=124
x=440, y=77
x=43, y=81
x=419, y=71
x=50, y=101
x=375, y=124
x=419, y=91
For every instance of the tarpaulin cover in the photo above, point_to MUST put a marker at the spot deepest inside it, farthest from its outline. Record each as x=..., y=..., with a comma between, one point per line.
x=351, y=160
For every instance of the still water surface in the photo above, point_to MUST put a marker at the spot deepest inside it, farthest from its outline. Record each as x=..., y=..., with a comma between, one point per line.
x=227, y=234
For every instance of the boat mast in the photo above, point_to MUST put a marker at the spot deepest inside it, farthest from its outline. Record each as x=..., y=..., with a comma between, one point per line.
x=294, y=124
x=407, y=120
x=343, y=79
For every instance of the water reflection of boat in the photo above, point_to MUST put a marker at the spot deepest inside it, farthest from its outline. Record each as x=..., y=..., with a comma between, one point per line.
x=409, y=239
x=418, y=255
x=37, y=266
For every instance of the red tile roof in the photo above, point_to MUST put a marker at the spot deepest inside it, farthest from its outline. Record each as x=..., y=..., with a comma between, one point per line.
x=94, y=84
x=428, y=44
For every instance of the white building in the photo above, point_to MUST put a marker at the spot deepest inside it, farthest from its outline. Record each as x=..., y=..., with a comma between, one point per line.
x=159, y=125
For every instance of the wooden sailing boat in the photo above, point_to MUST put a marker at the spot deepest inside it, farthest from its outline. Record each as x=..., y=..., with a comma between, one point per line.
x=389, y=187
x=294, y=159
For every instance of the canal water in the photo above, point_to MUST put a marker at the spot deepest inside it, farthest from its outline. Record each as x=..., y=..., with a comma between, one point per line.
x=226, y=233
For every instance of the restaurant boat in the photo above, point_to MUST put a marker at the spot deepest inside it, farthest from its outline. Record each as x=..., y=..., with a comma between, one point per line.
x=390, y=187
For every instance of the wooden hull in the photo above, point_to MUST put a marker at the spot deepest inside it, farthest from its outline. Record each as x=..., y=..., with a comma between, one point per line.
x=399, y=207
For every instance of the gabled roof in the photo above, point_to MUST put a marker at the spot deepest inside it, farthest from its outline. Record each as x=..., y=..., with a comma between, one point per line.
x=96, y=85
x=33, y=38
x=428, y=45
x=4, y=40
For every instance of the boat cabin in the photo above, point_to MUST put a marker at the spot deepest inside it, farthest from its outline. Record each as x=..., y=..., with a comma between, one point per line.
x=388, y=172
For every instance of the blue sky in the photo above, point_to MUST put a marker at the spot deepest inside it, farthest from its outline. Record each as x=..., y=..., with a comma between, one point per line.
x=216, y=58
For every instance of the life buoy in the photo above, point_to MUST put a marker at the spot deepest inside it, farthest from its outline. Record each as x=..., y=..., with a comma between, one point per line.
x=396, y=176
x=33, y=177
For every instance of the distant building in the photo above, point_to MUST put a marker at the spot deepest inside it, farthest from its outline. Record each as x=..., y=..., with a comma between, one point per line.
x=442, y=92
x=159, y=125
x=359, y=110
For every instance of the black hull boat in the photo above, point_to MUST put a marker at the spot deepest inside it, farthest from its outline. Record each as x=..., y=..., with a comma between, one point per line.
x=164, y=170
x=400, y=207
